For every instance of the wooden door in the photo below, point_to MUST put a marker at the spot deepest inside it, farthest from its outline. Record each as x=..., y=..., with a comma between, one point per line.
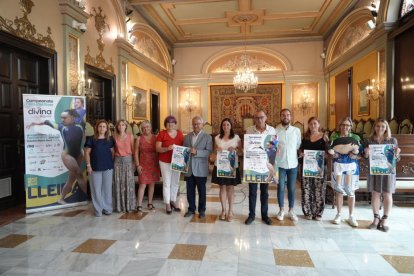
x=343, y=95
x=155, y=111
x=25, y=69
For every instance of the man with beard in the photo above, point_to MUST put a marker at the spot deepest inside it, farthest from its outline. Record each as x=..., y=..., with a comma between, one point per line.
x=287, y=161
x=259, y=127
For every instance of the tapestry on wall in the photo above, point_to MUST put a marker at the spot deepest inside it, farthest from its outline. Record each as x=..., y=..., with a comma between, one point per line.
x=241, y=107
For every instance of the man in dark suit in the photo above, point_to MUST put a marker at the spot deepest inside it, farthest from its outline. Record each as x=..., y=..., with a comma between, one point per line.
x=201, y=146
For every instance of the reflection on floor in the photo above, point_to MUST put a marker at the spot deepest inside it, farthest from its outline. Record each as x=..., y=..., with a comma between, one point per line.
x=74, y=242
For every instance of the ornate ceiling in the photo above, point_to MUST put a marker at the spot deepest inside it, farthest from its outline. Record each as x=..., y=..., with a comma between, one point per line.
x=188, y=21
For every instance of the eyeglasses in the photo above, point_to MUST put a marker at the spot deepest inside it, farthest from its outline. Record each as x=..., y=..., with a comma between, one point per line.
x=259, y=118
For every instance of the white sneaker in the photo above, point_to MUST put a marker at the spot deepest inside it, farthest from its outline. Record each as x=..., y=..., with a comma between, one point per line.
x=292, y=216
x=337, y=219
x=281, y=215
x=352, y=221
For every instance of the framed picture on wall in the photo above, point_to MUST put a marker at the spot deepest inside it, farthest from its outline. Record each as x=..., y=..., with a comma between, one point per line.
x=363, y=101
x=140, y=104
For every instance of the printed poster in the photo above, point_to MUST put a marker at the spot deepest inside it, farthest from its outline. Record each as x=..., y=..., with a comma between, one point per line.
x=313, y=163
x=382, y=159
x=259, y=160
x=54, y=157
x=226, y=164
x=180, y=159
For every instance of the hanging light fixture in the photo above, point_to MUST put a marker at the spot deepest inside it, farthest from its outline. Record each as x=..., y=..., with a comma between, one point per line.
x=245, y=79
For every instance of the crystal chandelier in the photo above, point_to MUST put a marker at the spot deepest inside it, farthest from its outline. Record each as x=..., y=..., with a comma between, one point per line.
x=245, y=78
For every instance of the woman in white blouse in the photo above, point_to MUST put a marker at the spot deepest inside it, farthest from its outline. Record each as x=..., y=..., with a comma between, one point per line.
x=227, y=140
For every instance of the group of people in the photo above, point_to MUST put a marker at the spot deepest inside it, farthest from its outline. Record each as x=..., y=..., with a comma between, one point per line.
x=152, y=155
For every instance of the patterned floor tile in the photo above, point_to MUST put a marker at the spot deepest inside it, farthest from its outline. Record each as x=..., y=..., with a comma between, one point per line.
x=188, y=252
x=208, y=219
x=13, y=240
x=134, y=216
x=292, y=258
x=285, y=222
x=403, y=264
x=69, y=214
x=213, y=199
x=94, y=246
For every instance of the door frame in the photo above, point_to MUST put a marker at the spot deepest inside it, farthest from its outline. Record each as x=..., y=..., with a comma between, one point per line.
x=89, y=69
x=21, y=45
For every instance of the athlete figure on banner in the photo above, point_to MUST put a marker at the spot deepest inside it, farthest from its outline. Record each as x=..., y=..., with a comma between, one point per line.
x=72, y=154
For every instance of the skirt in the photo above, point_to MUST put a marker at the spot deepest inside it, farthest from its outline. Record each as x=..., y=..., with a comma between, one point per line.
x=225, y=180
x=123, y=193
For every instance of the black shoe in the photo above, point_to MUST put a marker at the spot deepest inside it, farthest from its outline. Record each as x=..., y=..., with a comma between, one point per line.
x=202, y=215
x=174, y=208
x=189, y=214
x=267, y=220
x=105, y=212
x=249, y=220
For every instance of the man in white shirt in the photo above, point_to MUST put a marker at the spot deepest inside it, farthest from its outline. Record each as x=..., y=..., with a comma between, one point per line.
x=260, y=127
x=287, y=161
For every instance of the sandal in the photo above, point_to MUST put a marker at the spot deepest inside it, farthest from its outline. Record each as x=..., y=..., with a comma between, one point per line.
x=150, y=206
x=373, y=225
x=222, y=216
x=381, y=226
x=139, y=209
x=230, y=217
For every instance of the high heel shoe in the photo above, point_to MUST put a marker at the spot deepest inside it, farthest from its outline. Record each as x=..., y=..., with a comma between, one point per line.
x=174, y=208
x=168, y=211
x=222, y=216
x=381, y=226
x=374, y=225
x=230, y=217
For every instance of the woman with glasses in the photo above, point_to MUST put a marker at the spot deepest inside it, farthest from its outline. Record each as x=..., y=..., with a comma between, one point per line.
x=165, y=142
x=382, y=184
x=344, y=148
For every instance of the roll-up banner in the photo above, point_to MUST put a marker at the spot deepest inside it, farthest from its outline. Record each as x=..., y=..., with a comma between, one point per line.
x=54, y=130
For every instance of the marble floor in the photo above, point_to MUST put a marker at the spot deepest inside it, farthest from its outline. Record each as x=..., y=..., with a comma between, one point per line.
x=75, y=242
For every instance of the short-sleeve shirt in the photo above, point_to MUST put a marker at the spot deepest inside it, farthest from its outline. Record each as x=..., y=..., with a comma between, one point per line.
x=101, y=154
x=124, y=147
x=166, y=140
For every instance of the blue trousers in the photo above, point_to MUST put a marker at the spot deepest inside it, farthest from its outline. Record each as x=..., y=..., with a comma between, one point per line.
x=287, y=177
x=199, y=182
x=101, y=191
x=264, y=199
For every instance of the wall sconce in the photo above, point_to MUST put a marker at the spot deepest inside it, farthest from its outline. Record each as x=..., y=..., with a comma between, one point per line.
x=125, y=100
x=81, y=4
x=80, y=88
x=188, y=104
x=306, y=104
x=376, y=90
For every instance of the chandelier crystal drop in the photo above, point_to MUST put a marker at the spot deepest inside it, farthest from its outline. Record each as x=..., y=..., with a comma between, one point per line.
x=245, y=79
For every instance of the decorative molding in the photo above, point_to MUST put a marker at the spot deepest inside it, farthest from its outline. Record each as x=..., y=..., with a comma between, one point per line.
x=22, y=27
x=73, y=63
x=258, y=58
x=101, y=26
x=351, y=32
x=150, y=44
x=239, y=61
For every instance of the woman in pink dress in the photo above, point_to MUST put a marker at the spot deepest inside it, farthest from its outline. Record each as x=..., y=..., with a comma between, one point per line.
x=146, y=161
